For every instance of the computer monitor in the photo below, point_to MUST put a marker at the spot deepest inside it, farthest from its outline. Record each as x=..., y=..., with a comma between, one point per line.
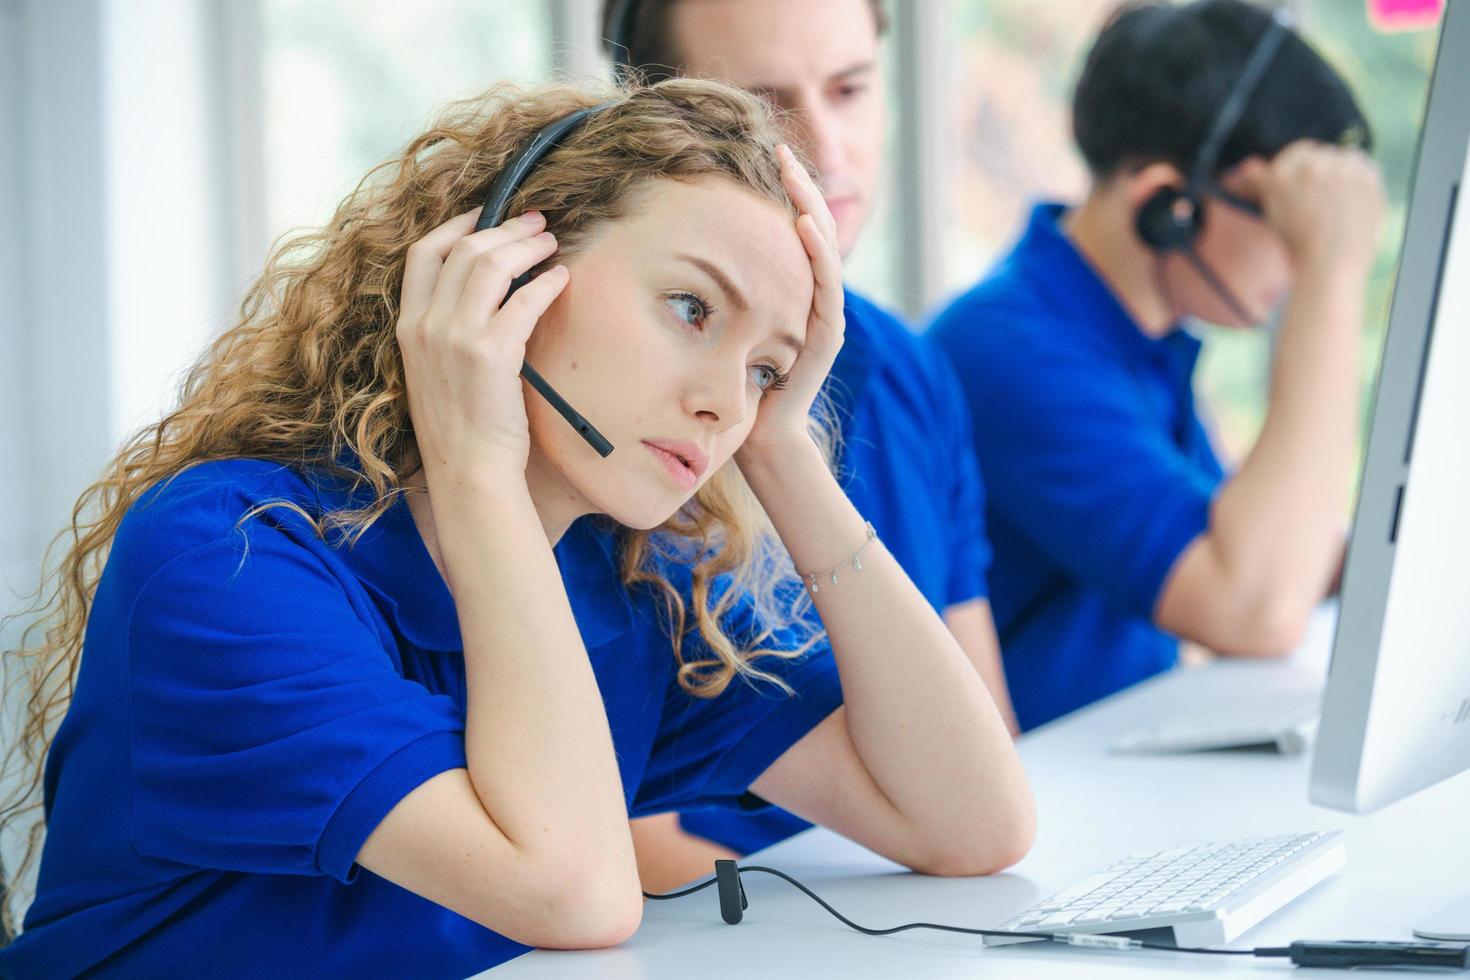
x=1396, y=713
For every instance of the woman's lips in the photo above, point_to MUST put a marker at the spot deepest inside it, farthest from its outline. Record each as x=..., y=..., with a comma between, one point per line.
x=676, y=467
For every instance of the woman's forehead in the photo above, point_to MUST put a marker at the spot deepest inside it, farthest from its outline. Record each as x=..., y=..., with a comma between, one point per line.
x=728, y=231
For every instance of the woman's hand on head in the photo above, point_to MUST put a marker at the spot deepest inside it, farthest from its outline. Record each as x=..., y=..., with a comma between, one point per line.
x=462, y=349
x=782, y=419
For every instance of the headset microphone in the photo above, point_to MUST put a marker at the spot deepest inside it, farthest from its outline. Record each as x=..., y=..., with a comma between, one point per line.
x=497, y=200
x=1227, y=296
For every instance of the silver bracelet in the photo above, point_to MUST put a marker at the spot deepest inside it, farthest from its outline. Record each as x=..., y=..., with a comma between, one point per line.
x=856, y=561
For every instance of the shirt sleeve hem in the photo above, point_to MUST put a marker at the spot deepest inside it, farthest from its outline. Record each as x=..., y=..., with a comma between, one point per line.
x=1173, y=533
x=968, y=590
x=379, y=792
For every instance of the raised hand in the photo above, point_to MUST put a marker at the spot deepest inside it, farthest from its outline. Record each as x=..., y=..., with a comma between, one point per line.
x=462, y=349
x=782, y=420
x=1326, y=202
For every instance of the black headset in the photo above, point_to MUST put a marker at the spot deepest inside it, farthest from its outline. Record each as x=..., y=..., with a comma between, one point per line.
x=1172, y=218
x=622, y=14
x=497, y=201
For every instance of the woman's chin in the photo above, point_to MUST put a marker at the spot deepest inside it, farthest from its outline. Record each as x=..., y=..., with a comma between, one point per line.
x=643, y=518
x=642, y=514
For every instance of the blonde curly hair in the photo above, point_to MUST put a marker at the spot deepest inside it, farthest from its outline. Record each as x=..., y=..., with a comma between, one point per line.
x=310, y=376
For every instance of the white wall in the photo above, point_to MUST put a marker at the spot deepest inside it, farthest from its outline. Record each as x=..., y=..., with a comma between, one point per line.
x=16, y=538
x=166, y=277
x=116, y=238
x=55, y=331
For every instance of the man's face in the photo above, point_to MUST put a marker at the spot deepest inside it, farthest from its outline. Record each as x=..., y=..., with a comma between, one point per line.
x=1245, y=253
x=815, y=59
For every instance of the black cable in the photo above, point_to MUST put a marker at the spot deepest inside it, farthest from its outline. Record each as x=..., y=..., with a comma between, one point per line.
x=1344, y=954
x=890, y=931
x=688, y=891
x=1066, y=938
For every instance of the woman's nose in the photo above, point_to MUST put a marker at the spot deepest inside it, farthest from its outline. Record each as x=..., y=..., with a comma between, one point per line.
x=718, y=399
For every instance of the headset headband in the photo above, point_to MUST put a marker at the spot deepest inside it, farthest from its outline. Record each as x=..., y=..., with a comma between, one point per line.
x=497, y=200
x=1207, y=157
x=514, y=173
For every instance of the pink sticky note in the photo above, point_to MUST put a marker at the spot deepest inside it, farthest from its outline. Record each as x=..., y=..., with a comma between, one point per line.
x=1404, y=15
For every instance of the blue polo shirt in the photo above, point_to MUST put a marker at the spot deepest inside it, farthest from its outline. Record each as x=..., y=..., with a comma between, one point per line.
x=253, y=700
x=907, y=464
x=1098, y=471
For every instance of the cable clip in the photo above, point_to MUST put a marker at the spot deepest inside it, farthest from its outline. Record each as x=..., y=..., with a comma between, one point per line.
x=733, y=902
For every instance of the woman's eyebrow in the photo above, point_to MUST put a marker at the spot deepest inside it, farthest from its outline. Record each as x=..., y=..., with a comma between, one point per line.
x=737, y=298
x=789, y=340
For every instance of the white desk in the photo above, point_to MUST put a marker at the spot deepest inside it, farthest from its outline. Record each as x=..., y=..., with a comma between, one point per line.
x=1404, y=862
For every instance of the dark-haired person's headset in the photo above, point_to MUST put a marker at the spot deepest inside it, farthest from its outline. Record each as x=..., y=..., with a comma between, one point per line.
x=1172, y=218
x=497, y=201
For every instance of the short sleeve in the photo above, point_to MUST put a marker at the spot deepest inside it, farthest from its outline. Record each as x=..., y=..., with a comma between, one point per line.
x=709, y=750
x=271, y=729
x=964, y=497
x=1079, y=466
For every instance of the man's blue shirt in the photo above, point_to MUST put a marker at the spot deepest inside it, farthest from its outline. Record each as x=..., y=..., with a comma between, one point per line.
x=907, y=464
x=1098, y=471
x=253, y=700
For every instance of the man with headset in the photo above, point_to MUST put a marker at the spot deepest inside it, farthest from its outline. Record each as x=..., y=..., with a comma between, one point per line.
x=906, y=459
x=1228, y=179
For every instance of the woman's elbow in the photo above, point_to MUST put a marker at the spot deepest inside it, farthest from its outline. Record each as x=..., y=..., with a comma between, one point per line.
x=595, y=928
x=992, y=857
x=989, y=851
x=583, y=914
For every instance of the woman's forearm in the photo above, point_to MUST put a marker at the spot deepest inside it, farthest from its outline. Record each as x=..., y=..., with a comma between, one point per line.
x=919, y=715
x=536, y=734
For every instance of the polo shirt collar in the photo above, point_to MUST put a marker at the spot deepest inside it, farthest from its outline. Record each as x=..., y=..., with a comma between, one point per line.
x=392, y=561
x=1052, y=262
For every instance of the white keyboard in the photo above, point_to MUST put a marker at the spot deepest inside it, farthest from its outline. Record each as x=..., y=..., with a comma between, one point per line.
x=1208, y=894
x=1284, y=722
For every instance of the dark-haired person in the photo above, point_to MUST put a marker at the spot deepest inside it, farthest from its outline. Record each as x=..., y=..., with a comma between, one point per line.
x=1115, y=529
x=905, y=460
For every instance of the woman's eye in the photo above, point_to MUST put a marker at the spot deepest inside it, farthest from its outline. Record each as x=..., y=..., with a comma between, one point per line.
x=688, y=307
x=767, y=378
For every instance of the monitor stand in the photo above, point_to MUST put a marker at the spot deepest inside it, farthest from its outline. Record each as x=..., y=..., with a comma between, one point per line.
x=1452, y=923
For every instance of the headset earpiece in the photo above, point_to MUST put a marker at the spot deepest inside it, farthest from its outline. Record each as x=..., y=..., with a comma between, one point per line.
x=1170, y=220
x=1169, y=223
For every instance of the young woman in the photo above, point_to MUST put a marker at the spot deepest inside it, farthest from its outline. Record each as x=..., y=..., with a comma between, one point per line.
x=331, y=635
